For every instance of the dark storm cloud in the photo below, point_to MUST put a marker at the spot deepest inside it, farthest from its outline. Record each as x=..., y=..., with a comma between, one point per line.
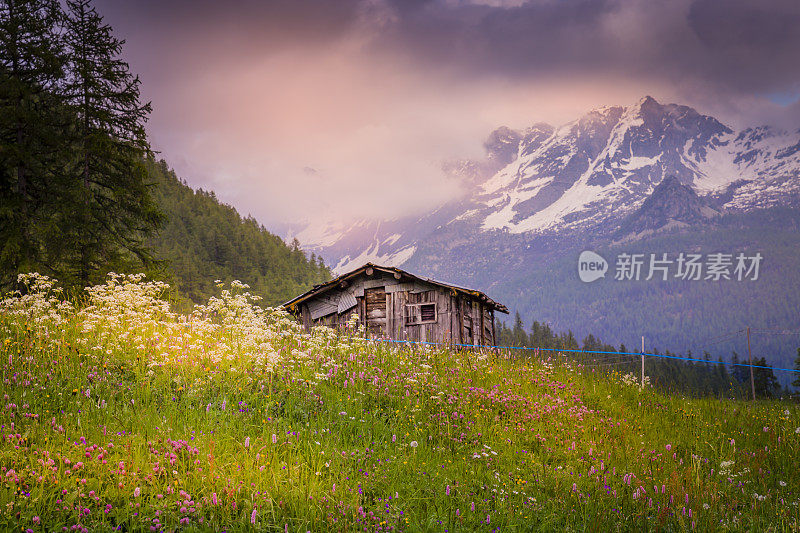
x=752, y=44
x=518, y=40
x=743, y=45
x=179, y=34
x=322, y=109
x=271, y=21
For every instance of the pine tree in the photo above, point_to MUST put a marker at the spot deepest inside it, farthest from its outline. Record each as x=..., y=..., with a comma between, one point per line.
x=570, y=342
x=796, y=382
x=117, y=210
x=518, y=332
x=591, y=343
x=766, y=384
x=31, y=129
x=740, y=373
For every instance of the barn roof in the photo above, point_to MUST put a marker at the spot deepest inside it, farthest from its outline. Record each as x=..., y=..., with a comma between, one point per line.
x=324, y=287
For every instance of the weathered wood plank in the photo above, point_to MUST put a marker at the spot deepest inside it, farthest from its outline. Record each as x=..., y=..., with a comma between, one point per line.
x=481, y=338
x=375, y=314
x=393, y=308
x=362, y=312
x=494, y=333
x=375, y=308
x=346, y=301
x=455, y=324
x=319, y=309
x=468, y=323
x=375, y=298
x=401, y=298
x=422, y=287
x=306, y=317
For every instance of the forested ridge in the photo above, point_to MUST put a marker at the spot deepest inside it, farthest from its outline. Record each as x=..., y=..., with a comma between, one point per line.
x=203, y=240
x=81, y=193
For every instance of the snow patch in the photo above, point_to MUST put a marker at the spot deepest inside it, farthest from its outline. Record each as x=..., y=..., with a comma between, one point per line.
x=372, y=255
x=391, y=239
x=637, y=162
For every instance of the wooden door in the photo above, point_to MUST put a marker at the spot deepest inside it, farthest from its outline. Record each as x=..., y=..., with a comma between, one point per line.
x=375, y=300
x=468, y=328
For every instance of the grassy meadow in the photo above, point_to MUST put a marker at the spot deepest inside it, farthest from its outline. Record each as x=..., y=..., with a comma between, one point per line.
x=119, y=415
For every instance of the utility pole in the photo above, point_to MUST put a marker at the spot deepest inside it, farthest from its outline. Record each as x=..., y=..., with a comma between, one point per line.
x=750, y=358
x=642, y=362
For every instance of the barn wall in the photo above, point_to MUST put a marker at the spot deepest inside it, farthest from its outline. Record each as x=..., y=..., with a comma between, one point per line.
x=467, y=322
x=488, y=322
x=381, y=299
x=453, y=320
x=305, y=316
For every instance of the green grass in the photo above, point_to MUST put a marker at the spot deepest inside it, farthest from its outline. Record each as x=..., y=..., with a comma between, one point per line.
x=124, y=416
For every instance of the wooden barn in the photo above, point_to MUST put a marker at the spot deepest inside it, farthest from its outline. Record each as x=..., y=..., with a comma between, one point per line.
x=395, y=304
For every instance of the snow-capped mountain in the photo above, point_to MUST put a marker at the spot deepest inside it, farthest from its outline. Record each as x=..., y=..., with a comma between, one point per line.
x=586, y=176
x=671, y=205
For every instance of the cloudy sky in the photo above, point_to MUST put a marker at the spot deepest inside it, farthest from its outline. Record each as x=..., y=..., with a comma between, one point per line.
x=313, y=110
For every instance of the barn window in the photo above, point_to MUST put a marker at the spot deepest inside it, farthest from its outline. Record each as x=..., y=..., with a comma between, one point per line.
x=420, y=314
x=427, y=312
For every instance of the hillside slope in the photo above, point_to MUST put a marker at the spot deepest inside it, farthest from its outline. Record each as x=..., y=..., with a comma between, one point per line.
x=204, y=240
x=119, y=417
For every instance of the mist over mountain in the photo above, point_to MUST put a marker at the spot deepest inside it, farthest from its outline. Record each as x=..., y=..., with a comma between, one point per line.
x=587, y=175
x=650, y=176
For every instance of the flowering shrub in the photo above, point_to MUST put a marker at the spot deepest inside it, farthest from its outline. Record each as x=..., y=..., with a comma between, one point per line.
x=121, y=414
x=632, y=380
x=40, y=306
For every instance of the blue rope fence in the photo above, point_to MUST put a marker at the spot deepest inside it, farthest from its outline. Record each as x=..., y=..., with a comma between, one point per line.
x=588, y=352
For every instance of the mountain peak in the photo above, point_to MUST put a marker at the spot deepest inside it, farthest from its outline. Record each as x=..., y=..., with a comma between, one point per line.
x=502, y=144
x=672, y=185
x=671, y=204
x=645, y=167
x=644, y=103
x=646, y=100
